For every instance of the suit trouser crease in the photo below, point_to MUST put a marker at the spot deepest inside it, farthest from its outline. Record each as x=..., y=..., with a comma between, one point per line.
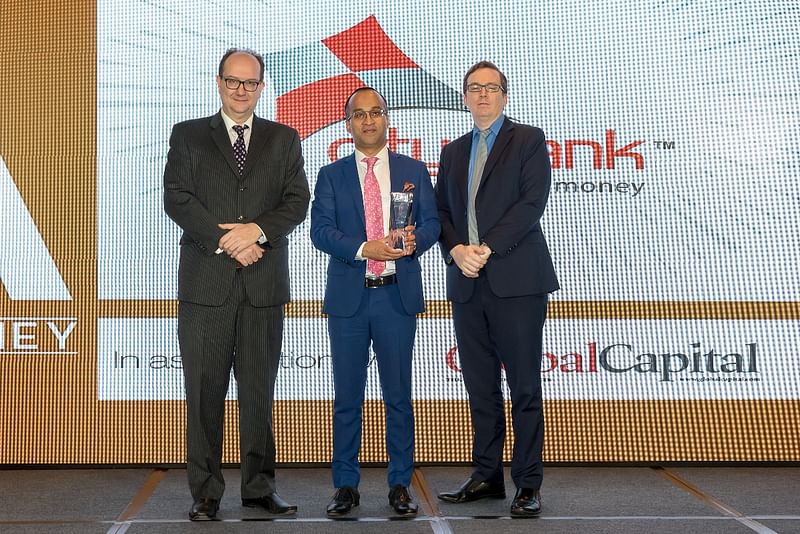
x=214, y=340
x=381, y=320
x=491, y=332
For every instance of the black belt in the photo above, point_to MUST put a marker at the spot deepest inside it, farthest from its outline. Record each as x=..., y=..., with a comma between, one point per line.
x=380, y=282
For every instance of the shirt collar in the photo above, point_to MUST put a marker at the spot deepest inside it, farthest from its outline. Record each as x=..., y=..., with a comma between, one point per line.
x=382, y=155
x=230, y=123
x=494, y=128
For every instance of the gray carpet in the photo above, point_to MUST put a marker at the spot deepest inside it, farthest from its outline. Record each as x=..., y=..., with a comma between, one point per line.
x=683, y=500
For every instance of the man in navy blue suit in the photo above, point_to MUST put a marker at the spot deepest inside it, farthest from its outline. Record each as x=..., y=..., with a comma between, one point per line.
x=491, y=191
x=373, y=292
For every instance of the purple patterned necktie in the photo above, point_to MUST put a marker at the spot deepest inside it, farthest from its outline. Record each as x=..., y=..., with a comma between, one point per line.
x=239, y=150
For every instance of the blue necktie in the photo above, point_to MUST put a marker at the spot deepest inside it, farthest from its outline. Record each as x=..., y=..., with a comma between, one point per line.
x=477, y=170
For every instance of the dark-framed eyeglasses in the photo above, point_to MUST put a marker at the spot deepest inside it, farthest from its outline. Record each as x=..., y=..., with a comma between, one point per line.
x=478, y=87
x=361, y=115
x=234, y=83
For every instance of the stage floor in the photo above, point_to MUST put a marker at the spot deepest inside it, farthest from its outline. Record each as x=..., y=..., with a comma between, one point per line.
x=650, y=500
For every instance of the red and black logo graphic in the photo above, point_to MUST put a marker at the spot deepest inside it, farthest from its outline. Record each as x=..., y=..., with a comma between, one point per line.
x=312, y=81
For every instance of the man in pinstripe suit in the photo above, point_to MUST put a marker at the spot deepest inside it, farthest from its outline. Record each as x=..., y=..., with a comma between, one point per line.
x=235, y=185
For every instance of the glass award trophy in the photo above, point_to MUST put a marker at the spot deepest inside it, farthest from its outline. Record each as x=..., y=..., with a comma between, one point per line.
x=401, y=217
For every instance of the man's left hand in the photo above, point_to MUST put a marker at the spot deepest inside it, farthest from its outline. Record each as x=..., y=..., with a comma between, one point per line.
x=238, y=237
x=410, y=240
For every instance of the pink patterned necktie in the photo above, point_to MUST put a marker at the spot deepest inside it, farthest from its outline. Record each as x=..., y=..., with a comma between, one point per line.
x=373, y=212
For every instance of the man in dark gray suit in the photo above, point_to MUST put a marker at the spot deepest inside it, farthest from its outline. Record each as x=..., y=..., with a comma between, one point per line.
x=235, y=185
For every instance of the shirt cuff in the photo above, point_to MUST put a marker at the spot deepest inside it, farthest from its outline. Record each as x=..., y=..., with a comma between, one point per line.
x=359, y=257
x=263, y=239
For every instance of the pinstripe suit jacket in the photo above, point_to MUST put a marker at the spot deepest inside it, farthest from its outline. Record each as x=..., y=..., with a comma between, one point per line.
x=202, y=188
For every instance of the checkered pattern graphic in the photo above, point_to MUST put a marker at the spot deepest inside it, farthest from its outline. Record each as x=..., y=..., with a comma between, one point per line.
x=373, y=212
x=239, y=150
x=312, y=81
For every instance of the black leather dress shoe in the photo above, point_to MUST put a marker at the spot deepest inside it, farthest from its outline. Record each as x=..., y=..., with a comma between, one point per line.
x=527, y=502
x=400, y=500
x=272, y=504
x=344, y=500
x=204, y=509
x=473, y=490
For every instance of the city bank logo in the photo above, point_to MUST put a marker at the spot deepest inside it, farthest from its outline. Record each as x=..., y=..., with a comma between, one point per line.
x=27, y=270
x=312, y=81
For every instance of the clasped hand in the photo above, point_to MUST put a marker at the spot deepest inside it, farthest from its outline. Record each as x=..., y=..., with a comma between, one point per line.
x=470, y=258
x=240, y=242
x=382, y=249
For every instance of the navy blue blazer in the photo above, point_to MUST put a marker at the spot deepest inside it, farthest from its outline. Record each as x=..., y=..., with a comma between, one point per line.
x=509, y=205
x=338, y=228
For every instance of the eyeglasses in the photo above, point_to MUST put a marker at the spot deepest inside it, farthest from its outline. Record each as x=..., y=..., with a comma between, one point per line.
x=477, y=87
x=360, y=115
x=234, y=83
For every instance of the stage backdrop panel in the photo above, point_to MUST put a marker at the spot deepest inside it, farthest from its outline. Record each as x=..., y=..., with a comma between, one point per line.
x=671, y=128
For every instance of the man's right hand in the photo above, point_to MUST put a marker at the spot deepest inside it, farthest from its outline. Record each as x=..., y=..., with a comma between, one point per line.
x=470, y=259
x=379, y=249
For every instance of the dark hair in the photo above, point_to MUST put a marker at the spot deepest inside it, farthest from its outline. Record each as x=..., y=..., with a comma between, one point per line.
x=487, y=65
x=229, y=52
x=349, y=98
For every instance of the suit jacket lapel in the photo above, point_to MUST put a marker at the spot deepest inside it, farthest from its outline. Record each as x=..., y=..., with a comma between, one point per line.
x=460, y=170
x=223, y=141
x=396, y=182
x=503, y=138
x=352, y=187
x=396, y=177
x=258, y=140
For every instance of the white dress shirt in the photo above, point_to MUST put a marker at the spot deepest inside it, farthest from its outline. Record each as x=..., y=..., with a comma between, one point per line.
x=381, y=170
x=229, y=124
